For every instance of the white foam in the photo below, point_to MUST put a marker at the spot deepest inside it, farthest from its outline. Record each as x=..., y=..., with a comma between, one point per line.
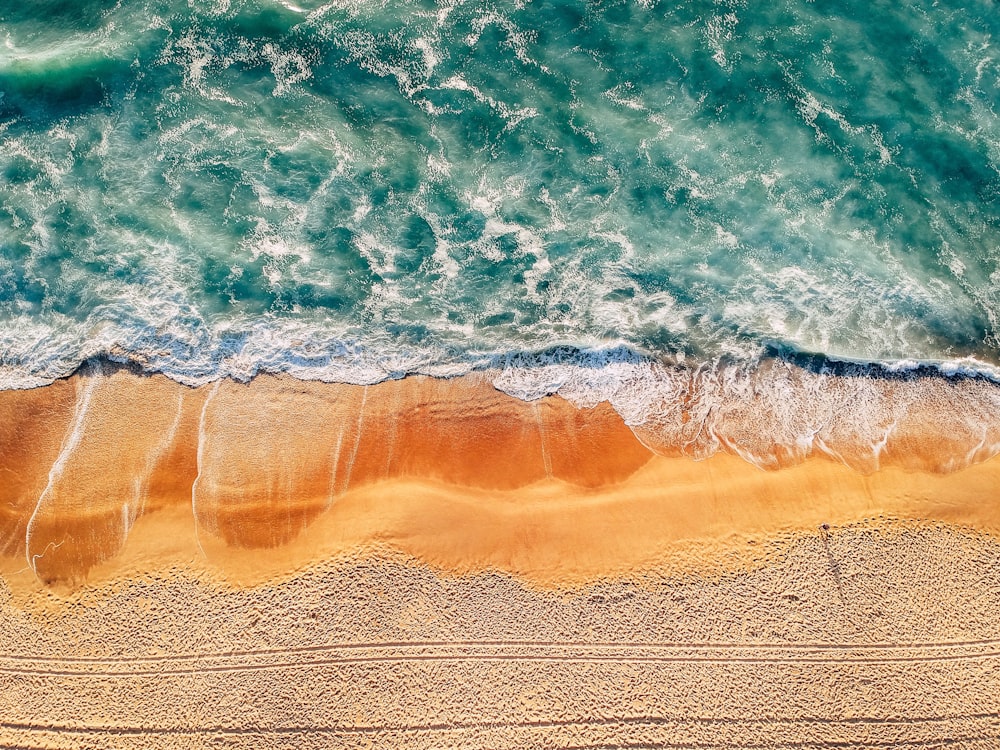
x=770, y=414
x=288, y=68
x=768, y=411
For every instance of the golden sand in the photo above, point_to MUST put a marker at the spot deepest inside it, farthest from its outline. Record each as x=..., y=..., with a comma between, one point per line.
x=433, y=564
x=254, y=481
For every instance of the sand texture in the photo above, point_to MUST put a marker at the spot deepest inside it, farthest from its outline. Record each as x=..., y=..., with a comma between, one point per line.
x=856, y=639
x=432, y=563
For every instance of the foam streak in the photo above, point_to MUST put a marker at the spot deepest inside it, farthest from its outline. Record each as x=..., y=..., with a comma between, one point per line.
x=70, y=443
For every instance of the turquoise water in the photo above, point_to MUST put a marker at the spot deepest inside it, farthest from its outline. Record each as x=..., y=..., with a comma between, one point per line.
x=357, y=190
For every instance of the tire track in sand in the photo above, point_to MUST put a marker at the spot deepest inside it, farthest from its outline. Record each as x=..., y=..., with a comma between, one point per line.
x=527, y=651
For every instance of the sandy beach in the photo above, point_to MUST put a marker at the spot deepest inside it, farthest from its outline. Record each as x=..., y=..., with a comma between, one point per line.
x=499, y=375
x=401, y=543
x=450, y=472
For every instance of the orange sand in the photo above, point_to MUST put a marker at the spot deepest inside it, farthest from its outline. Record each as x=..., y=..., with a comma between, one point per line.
x=114, y=475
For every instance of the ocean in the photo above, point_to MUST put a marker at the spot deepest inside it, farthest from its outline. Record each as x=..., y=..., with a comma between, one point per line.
x=677, y=207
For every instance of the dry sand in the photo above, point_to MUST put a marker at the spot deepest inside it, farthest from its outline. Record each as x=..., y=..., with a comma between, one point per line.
x=428, y=563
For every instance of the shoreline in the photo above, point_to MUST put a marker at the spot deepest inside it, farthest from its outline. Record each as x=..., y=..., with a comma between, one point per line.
x=251, y=482
x=430, y=563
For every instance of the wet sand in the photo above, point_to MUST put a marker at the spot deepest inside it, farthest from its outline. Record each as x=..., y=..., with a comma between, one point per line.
x=450, y=472
x=139, y=516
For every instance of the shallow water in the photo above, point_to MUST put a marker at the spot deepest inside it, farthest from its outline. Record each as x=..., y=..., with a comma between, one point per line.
x=353, y=191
